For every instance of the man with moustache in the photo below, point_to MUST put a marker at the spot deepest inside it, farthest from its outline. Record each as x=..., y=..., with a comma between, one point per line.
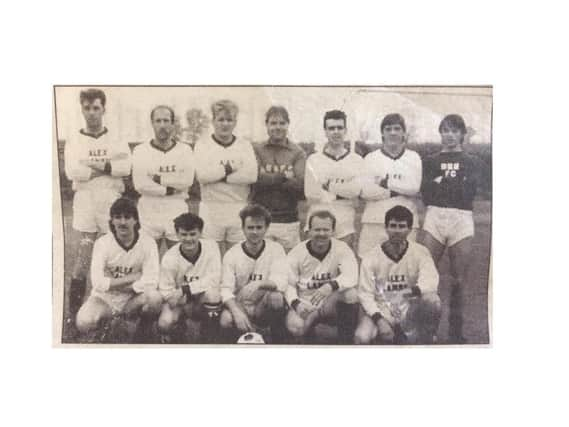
x=280, y=184
x=124, y=274
x=162, y=172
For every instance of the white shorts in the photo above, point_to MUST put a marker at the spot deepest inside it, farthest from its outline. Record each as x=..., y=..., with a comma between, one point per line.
x=287, y=234
x=222, y=221
x=157, y=216
x=373, y=234
x=345, y=218
x=115, y=300
x=91, y=210
x=448, y=225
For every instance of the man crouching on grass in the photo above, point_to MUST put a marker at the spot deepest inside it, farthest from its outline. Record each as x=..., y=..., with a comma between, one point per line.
x=124, y=274
x=322, y=280
x=398, y=288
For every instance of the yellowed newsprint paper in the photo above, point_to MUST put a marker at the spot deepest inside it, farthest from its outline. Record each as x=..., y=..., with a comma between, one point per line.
x=272, y=216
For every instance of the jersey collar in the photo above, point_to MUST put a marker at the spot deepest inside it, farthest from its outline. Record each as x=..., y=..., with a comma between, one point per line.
x=132, y=245
x=96, y=136
x=392, y=258
x=336, y=159
x=194, y=259
x=217, y=141
x=385, y=153
x=316, y=255
x=249, y=254
x=159, y=148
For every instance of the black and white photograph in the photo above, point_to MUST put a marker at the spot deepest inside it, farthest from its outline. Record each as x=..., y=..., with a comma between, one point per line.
x=327, y=215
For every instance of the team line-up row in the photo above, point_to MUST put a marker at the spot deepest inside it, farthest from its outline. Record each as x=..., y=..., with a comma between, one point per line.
x=275, y=174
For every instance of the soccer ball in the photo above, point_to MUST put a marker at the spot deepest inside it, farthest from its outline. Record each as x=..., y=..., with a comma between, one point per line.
x=251, y=338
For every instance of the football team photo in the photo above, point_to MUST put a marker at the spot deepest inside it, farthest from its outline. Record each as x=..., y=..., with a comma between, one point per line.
x=272, y=215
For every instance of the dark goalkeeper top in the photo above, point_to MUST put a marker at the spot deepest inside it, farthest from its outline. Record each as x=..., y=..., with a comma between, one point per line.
x=450, y=180
x=280, y=184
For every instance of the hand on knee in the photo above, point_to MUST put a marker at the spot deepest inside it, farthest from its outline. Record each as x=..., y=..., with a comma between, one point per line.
x=226, y=320
x=86, y=322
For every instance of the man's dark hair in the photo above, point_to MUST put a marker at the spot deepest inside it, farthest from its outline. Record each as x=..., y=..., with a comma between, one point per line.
x=188, y=221
x=255, y=211
x=399, y=213
x=336, y=115
x=90, y=95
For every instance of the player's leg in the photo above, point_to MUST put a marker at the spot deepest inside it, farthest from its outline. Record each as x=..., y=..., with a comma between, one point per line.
x=424, y=316
x=210, y=310
x=270, y=310
x=141, y=311
x=341, y=307
x=91, y=315
x=366, y=332
x=385, y=332
x=295, y=325
x=434, y=233
x=78, y=284
x=287, y=234
x=460, y=259
x=435, y=247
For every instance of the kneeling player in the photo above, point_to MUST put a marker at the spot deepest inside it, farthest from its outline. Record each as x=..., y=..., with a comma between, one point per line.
x=322, y=280
x=398, y=287
x=254, y=278
x=189, y=279
x=124, y=273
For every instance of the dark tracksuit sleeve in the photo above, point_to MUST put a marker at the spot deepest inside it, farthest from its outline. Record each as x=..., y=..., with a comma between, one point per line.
x=296, y=184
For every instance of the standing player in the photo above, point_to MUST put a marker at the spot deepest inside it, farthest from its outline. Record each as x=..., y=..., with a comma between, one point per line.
x=96, y=161
x=225, y=166
x=162, y=171
x=281, y=178
x=254, y=278
x=393, y=177
x=124, y=274
x=189, y=279
x=398, y=287
x=332, y=177
x=449, y=187
x=322, y=279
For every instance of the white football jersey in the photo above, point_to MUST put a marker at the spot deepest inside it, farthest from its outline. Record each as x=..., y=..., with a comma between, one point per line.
x=342, y=176
x=201, y=274
x=241, y=268
x=103, y=148
x=384, y=281
x=111, y=260
x=307, y=272
x=174, y=166
x=404, y=177
x=210, y=159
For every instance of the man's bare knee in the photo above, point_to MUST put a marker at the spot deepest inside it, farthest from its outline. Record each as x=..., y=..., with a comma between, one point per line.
x=295, y=326
x=349, y=296
x=362, y=337
x=226, y=319
x=152, y=302
x=86, y=320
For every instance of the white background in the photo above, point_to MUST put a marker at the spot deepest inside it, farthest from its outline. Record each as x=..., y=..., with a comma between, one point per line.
x=520, y=50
